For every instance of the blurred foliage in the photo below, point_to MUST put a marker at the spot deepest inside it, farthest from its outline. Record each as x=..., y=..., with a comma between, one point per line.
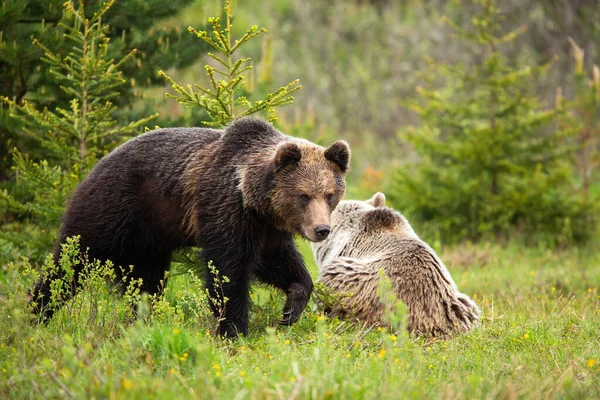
x=359, y=61
x=74, y=137
x=490, y=157
x=585, y=116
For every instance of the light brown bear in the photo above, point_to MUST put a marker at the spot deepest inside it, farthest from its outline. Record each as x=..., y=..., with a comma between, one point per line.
x=366, y=236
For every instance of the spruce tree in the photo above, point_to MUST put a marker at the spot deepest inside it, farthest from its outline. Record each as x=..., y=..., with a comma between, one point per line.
x=74, y=137
x=490, y=156
x=132, y=25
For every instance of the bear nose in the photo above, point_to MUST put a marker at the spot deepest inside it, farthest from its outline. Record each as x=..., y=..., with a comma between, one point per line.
x=322, y=231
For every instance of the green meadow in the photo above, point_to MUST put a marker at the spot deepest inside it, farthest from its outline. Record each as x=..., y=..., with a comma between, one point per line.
x=539, y=338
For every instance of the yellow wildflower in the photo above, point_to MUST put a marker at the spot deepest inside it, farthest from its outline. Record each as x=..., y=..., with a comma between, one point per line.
x=126, y=384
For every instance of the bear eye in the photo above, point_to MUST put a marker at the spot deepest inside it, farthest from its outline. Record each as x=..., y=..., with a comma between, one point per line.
x=305, y=198
x=329, y=197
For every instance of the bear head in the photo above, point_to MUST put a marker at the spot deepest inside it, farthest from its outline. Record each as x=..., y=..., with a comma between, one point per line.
x=294, y=182
x=355, y=221
x=307, y=186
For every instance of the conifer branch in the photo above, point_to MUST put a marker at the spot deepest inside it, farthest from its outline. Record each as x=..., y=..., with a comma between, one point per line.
x=224, y=101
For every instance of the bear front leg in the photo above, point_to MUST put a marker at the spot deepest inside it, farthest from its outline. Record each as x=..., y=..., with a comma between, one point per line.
x=284, y=268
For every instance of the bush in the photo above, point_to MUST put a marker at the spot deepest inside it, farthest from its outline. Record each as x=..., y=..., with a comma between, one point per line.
x=490, y=158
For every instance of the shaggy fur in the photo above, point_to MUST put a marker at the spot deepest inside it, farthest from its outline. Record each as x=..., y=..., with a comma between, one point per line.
x=367, y=237
x=239, y=193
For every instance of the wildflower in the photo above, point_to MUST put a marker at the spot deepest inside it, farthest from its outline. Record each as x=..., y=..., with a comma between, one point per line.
x=347, y=355
x=270, y=357
x=591, y=362
x=357, y=343
x=553, y=289
x=218, y=373
x=293, y=379
x=126, y=384
x=430, y=366
x=381, y=353
x=378, y=329
x=428, y=348
x=256, y=369
x=532, y=273
x=590, y=290
x=320, y=318
x=393, y=337
x=242, y=373
x=287, y=341
x=526, y=336
x=474, y=296
x=217, y=367
x=176, y=331
x=172, y=371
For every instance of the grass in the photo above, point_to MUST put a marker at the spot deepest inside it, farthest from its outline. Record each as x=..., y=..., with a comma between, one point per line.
x=540, y=337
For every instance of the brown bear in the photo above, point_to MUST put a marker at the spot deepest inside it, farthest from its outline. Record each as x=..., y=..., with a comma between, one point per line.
x=366, y=236
x=240, y=194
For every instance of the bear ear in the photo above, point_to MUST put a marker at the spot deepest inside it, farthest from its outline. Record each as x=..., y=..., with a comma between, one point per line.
x=339, y=153
x=378, y=200
x=287, y=153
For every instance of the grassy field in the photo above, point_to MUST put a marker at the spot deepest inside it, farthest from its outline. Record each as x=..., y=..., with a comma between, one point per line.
x=540, y=338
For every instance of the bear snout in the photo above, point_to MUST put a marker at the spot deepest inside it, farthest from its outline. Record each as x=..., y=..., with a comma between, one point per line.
x=322, y=231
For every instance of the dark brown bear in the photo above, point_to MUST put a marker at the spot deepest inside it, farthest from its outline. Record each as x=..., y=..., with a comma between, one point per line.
x=240, y=194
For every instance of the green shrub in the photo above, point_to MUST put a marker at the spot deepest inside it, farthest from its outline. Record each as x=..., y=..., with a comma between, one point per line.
x=490, y=158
